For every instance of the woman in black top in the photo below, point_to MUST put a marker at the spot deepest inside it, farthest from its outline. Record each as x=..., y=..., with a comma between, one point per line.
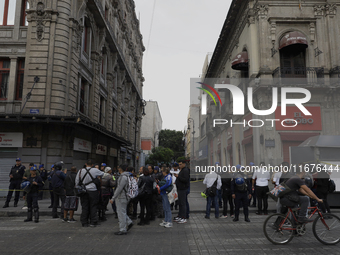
x=145, y=183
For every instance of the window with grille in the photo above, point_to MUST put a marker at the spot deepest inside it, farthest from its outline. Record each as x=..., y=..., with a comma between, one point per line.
x=4, y=77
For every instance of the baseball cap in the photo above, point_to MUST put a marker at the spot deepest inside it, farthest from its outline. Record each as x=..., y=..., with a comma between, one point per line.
x=42, y=165
x=175, y=164
x=52, y=166
x=251, y=164
x=18, y=159
x=156, y=168
x=33, y=168
x=238, y=167
x=103, y=164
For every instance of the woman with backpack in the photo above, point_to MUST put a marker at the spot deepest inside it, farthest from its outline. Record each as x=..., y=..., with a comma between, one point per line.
x=166, y=186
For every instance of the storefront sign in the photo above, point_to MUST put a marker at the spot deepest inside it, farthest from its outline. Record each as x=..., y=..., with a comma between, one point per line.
x=82, y=145
x=11, y=139
x=122, y=149
x=34, y=111
x=101, y=149
x=304, y=122
x=113, y=152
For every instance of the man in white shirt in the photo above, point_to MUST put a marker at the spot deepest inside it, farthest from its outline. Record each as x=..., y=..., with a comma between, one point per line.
x=214, y=183
x=89, y=201
x=261, y=177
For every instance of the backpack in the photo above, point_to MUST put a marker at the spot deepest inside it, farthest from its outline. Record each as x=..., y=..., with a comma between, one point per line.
x=132, y=191
x=211, y=192
x=331, y=186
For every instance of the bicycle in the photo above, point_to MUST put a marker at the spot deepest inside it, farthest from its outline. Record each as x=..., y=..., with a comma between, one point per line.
x=281, y=228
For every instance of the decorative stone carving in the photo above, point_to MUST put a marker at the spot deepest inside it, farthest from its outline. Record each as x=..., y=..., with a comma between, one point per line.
x=312, y=32
x=261, y=11
x=318, y=10
x=273, y=31
x=40, y=16
x=330, y=10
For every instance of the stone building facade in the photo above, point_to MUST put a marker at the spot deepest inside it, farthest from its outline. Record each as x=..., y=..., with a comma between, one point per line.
x=71, y=82
x=266, y=44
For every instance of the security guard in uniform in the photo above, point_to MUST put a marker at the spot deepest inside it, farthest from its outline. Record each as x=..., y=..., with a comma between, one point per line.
x=241, y=192
x=15, y=176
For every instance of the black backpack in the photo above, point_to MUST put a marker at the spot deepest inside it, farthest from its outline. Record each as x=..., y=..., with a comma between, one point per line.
x=331, y=186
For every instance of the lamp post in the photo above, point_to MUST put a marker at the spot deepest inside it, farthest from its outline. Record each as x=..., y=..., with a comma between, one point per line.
x=193, y=134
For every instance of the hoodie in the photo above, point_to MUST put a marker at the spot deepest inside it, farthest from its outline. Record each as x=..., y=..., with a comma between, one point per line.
x=122, y=187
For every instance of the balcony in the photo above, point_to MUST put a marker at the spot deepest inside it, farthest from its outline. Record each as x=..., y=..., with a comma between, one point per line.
x=299, y=75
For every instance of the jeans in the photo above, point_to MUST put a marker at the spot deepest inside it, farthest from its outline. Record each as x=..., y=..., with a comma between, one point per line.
x=215, y=200
x=303, y=202
x=123, y=219
x=262, y=196
x=89, y=204
x=166, y=208
x=182, y=202
x=14, y=185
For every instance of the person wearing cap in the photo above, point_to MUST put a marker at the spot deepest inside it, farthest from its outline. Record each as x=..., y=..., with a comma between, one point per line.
x=43, y=175
x=241, y=192
x=15, y=178
x=32, y=195
x=26, y=175
x=107, y=184
x=102, y=167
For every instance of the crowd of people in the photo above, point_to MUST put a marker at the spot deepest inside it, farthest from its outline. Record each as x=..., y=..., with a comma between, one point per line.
x=123, y=187
x=251, y=188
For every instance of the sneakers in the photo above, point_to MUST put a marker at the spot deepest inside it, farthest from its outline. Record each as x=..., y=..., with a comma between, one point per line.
x=182, y=221
x=64, y=220
x=207, y=217
x=163, y=224
x=224, y=216
x=168, y=225
x=25, y=208
x=71, y=220
x=177, y=219
x=129, y=226
x=6, y=205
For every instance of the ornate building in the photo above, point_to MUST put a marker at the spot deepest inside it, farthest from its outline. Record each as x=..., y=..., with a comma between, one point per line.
x=71, y=82
x=265, y=44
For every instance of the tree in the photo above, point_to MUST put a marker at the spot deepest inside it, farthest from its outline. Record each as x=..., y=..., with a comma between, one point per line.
x=160, y=155
x=173, y=140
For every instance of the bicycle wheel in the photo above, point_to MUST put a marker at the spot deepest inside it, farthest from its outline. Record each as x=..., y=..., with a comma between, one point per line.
x=327, y=230
x=278, y=230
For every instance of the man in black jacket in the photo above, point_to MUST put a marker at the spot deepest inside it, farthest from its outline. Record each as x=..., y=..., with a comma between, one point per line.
x=15, y=176
x=182, y=184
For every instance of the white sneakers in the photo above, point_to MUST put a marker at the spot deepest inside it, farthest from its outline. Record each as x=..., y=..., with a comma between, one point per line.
x=181, y=221
x=168, y=225
x=163, y=223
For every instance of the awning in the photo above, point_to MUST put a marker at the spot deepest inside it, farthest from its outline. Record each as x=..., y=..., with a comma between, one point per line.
x=294, y=37
x=247, y=140
x=240, y=62
x=297, y=137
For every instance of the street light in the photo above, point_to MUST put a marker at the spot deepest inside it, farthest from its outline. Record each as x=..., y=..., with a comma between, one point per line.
x=193, y=133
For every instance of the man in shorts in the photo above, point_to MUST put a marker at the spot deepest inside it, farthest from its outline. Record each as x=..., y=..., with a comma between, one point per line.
x=71, y=200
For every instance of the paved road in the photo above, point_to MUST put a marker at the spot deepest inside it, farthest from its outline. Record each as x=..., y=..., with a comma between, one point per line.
x=198, y=236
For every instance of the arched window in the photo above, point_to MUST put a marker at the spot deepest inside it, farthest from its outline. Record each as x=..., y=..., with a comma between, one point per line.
x=293, y=55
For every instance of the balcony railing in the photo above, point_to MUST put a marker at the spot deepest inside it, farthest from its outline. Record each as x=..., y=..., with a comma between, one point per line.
x=304, y=75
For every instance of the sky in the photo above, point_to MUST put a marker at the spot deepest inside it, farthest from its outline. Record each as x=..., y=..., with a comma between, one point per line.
x=177, y=35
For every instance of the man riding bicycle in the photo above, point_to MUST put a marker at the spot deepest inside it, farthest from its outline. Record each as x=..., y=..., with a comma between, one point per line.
x=300, y=194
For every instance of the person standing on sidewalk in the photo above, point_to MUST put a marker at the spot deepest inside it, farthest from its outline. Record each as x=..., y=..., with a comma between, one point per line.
x=15, y=176
x=71, y=200
x=26, y=175
x=227, y=197
x=182, y=184
x=167, y=223
x=213, y=182
x=32, y=195
x=58, y=189
x=89, y=201
x=261, y=176
x=241, y=192
x=121, y=198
